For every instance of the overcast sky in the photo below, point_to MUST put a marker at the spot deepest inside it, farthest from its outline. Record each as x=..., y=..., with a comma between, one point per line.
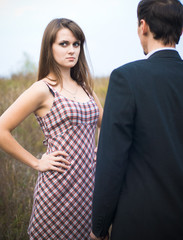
x=110, y=27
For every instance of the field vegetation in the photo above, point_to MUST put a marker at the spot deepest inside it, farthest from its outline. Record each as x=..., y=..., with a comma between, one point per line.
x=17, y=180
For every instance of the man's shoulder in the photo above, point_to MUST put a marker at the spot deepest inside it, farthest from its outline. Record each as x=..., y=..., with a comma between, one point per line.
x=131, y=65
x=131, y=69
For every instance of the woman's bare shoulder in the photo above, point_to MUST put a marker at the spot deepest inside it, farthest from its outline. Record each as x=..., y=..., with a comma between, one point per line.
x=39, y=88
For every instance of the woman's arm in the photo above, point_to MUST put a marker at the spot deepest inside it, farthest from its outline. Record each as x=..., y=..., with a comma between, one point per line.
x=100, y=118
x=31, y=100
x=100, y=113
x=100, y=110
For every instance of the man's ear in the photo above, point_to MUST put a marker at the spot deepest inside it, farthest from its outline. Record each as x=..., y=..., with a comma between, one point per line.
x=144, y=26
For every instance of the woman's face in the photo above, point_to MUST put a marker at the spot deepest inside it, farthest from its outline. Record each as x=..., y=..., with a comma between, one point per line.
x=66, y=48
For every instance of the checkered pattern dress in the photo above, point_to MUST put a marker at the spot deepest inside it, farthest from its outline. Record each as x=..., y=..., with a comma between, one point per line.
x=63, y=201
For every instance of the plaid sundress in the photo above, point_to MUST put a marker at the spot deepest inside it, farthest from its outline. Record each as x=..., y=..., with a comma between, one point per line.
x=63, y=201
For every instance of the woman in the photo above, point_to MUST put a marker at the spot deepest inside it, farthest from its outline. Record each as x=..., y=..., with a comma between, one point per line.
x=68, y=111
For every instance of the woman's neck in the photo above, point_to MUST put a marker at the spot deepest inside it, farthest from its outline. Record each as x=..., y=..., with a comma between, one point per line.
x=65, y=74
x=67, y=81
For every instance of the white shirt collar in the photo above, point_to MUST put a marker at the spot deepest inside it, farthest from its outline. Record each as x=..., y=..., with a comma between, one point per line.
x=159, y=49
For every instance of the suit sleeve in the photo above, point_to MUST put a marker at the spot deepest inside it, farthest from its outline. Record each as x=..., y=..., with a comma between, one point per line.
x=112, y=156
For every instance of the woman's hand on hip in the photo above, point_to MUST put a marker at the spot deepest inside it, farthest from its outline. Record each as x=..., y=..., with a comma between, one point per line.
x=55, y=161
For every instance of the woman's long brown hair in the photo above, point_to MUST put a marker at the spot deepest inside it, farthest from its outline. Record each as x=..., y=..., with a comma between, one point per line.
x=80, y=72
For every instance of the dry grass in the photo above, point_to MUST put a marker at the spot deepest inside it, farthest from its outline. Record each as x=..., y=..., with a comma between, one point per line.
x=17, y=180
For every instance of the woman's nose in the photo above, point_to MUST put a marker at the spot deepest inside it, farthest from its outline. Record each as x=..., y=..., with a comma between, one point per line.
x=71, y=49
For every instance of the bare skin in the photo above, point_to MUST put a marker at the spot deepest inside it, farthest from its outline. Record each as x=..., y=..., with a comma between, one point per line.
x=38, y=99
x=147, y=39
x=93, y=237
x=32, y=99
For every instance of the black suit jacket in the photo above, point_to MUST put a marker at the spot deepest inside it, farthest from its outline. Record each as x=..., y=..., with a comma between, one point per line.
x=139, y=175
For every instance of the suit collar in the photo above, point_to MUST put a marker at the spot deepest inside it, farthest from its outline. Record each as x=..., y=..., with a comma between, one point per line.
x=165, y=54
x=159, y=49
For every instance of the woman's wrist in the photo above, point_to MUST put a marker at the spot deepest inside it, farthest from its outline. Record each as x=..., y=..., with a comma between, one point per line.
x=35, y=164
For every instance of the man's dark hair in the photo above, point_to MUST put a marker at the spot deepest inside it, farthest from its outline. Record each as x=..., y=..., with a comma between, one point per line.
x=164, y=17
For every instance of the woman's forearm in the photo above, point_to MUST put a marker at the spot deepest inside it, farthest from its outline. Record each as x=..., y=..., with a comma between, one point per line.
x=98, y=135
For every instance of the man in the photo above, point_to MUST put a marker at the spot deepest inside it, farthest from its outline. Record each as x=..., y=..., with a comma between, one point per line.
x=139, y=176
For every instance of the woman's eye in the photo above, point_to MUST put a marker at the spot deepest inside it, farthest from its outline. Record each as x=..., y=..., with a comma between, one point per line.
x=76, y=44
x=63, y=44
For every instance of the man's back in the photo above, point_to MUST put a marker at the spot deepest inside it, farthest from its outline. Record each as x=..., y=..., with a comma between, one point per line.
x=139, y=174
x=151, y=202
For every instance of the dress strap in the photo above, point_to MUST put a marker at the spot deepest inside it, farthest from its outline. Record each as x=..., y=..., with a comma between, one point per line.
x=52, y=90
x=86, y=91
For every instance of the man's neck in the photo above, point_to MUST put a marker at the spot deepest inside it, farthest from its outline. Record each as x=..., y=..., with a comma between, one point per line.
x=155, y=45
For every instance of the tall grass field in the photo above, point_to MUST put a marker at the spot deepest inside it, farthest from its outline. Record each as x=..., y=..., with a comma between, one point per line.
x=17, y=180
